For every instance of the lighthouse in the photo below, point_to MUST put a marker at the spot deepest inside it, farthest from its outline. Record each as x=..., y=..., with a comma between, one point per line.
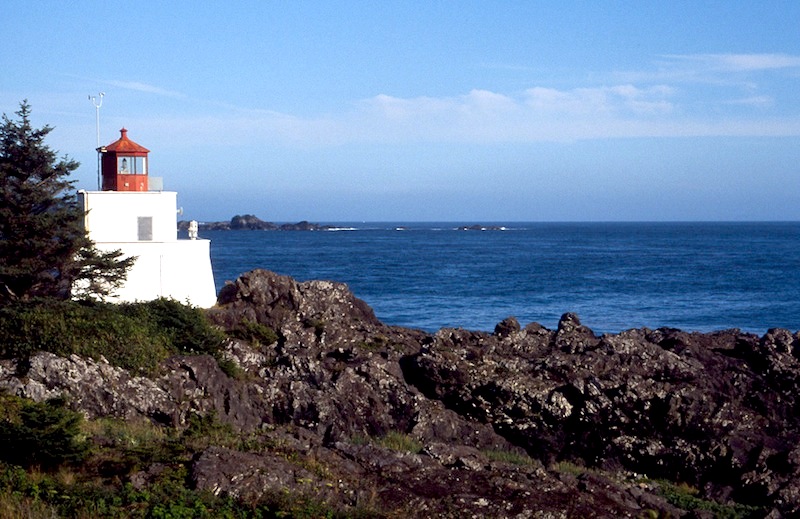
x=134, y=214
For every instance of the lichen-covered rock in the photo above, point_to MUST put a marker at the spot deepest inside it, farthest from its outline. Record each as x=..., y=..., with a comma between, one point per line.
x=492, y=416
x=714, y=410
x=189, y=385
x=94, y=387
x=249, y=476
x=298, y=311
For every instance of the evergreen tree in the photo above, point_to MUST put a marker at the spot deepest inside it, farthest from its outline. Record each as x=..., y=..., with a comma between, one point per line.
x=44, y=250
x=42, y=434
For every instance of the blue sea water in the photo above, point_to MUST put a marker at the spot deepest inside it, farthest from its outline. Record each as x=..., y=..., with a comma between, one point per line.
x=615, y=276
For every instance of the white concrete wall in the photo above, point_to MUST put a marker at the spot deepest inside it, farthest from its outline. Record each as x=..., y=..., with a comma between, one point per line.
x=165, y=266
x=112, y=216
x=179, y=270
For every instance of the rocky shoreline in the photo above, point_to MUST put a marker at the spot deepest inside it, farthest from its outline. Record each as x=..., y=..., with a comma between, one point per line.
x=522, y=422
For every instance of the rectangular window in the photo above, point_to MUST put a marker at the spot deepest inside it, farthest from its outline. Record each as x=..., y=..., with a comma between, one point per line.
x=139, y=166
x=124, y=165
x=145, y=228
x=132, y=165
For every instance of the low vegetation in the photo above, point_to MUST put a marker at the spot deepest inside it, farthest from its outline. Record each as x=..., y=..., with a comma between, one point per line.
x=680, y=495
x=400, y=442
x=507, y=456
x=76, y=468
x=134, y=336
x=688, y=497
x=254, y=333
x=53, y=463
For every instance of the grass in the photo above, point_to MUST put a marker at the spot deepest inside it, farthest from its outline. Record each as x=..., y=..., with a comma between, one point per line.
x=567, y=467
x=511, y=457
x=360, y=439
x=13, y=505
x=399, y=442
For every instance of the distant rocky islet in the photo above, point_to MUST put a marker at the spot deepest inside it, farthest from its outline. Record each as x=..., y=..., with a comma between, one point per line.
x=249, y=222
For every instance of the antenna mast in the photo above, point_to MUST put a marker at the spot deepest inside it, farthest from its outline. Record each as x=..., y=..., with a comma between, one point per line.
x=97, y=104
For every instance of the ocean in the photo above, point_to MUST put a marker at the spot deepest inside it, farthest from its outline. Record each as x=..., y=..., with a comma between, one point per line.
x=615, y=276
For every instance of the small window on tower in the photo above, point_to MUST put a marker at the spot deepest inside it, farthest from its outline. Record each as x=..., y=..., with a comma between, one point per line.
x=145, y=228
x=132, y=165
x=124, y=165
x=139, y=165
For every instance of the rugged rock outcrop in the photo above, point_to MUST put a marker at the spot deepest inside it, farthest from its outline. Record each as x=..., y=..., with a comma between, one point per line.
x=522, y=422
x=714, y=410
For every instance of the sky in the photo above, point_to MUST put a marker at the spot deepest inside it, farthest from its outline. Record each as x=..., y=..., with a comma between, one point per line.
x=469, y=111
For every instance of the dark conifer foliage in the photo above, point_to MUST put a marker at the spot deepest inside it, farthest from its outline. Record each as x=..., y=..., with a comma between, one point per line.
x=41, y=434
x=44, y=250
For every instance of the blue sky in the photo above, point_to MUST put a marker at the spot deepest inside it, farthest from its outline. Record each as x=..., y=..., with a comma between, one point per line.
x=429, y=110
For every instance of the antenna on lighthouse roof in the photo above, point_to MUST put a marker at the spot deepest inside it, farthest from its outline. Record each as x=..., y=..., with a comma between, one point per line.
x=97, y=104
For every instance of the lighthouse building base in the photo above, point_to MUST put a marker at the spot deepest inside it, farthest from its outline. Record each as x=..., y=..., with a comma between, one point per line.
x=144, y=225
x=179, y=270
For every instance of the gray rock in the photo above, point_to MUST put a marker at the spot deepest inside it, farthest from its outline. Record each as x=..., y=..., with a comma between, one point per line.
x=717, y=411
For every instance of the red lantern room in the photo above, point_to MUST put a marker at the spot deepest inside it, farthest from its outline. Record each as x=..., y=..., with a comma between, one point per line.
x=124, y=165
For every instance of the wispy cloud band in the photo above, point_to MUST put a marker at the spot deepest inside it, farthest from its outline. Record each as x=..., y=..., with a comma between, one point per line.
x=739, y=62
x=145, y=88
x=673, y=105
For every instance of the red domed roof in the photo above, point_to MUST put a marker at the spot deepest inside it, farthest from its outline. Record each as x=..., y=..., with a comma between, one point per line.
x=125, y=145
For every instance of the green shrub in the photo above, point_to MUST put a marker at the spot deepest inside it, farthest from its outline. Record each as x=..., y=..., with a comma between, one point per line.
x=40, y=434
x=317, y=324
x=231, y=368
x=186, y=328
x=207, y=430
x=254, y=333
x=169, y=494
x=134, y=336
x=687, y=497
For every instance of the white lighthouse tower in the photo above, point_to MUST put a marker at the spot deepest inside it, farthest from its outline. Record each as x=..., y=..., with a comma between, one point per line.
x=133, y=214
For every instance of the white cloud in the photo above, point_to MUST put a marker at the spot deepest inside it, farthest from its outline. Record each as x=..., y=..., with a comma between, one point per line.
x=144, y=87
x=484, y=101
x=603, y=100
x=717, y=69
x=399, y=109
x=536, y=114
x=759, y=101
x=739, y=62
x=541, y=113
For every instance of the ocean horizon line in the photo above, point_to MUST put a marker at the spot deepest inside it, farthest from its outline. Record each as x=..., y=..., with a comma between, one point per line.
x=472, y=222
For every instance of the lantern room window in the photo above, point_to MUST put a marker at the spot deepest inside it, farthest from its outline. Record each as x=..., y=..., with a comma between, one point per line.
x=129, y=165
